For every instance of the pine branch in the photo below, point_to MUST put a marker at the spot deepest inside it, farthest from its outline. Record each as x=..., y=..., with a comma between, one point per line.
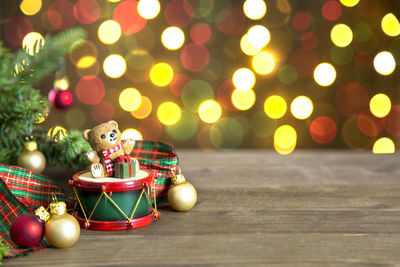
x=68, y=152
x=3, y=250
x=21, y=105
x=34, y=68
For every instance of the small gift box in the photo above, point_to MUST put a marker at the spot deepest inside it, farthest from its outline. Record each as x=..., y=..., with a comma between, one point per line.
x=126, y=167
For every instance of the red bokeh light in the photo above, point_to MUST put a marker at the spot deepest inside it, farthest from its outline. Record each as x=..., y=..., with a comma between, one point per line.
x=393, y=121
x=103, y=111
x=178, y=83
x=90, y=90
x=301, y=21
x=331, y=10
x=194, y=57
x=351, y=99
x=15, y=30
x=323, y=130
x=224, y=94
x=309, y=40
x=234, y=23
x=127, y=16
x=87, y=11
x=369, y=124
x=178, y=13
x=61, y=14
x=304, y=61
x=200, y=33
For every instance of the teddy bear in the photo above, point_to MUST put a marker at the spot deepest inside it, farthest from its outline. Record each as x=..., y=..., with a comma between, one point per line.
x=105, y=140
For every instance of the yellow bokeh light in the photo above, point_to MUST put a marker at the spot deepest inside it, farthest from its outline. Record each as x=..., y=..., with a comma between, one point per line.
x=247, y=48
x=144, y=110
x=113, y=1
x=390, y=25
x=148, y=9
x=243, y=99
x=243, y=78
x=384, y=63
x=285, y=137
x=32, y=43
x=258, y=36
x=30, y=7
x=169, y=113
x=172, y=38
x=109, y=31
x=341, y=35
x=161, y=74
x=349, y=3
x=254, y=9
x=301, y=107
x=86, y=62
x=263, y=63
x=383, y=145
x=131, y=133
x=130, y=99
x=210, y=111
x=275, y=107
x=284, y=151
x=380, y=105
x=324, y=74
x=114, y=66
x=61, y=83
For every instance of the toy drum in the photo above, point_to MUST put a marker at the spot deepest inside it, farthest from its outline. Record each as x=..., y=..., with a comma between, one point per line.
x=108, y=203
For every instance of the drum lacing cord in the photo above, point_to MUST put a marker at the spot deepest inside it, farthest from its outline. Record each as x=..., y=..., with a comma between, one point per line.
x=80, y=204
x=155, y=211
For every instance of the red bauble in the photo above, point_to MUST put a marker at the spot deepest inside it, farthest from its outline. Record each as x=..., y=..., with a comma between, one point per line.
x=61, y=99
x=27, y=230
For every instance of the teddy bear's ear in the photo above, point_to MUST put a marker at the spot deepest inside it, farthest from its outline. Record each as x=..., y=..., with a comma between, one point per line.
x=114, y=123
x=86, y=134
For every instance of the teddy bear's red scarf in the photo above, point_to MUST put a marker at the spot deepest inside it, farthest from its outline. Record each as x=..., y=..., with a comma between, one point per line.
x=108, y=162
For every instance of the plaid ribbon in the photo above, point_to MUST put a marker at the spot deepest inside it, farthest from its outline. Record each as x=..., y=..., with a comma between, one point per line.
x=161, y=159
x=107, y=161
x=22, y=191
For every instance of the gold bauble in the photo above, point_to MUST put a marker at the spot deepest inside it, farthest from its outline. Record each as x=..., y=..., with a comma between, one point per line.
x=31, y=158
x=62, y=230
x=181, y=195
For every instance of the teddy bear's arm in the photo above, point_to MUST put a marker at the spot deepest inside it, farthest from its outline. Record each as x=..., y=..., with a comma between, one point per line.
x=127, y=145
x=92, y=156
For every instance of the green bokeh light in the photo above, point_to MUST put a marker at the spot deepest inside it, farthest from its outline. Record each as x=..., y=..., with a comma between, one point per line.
x=195, y=92
x=185, y=128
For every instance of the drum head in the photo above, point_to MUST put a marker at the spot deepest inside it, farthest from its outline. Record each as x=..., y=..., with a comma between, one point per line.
x=85, y=181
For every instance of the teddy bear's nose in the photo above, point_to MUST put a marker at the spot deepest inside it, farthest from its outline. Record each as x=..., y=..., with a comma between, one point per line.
x=112, y=135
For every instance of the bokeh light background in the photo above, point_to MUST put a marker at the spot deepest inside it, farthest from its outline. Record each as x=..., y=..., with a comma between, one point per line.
x=226, y=74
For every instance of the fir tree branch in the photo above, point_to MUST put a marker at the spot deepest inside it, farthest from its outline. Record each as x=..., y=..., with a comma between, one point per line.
x=21, y=105
x=3, y=250
x=34, y=68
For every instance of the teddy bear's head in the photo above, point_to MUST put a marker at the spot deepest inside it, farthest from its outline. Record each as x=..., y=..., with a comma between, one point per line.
x=103, y=136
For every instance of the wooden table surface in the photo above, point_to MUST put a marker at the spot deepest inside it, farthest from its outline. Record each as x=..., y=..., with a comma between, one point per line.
x=257, y=208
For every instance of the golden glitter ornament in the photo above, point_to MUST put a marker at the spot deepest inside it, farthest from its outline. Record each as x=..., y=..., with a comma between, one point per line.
x=182, y=196
x=32, y=159
x=62, y=230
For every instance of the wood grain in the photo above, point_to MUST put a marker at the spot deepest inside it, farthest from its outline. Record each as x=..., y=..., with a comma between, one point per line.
x=257, y=208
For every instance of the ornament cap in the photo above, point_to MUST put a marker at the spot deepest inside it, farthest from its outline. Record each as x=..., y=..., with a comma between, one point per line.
x=30, y=146
x=42, y=213
x=178, y=179
x=58, y=208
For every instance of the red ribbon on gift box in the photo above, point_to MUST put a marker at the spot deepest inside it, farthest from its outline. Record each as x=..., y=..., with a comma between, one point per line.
x=124, y=158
